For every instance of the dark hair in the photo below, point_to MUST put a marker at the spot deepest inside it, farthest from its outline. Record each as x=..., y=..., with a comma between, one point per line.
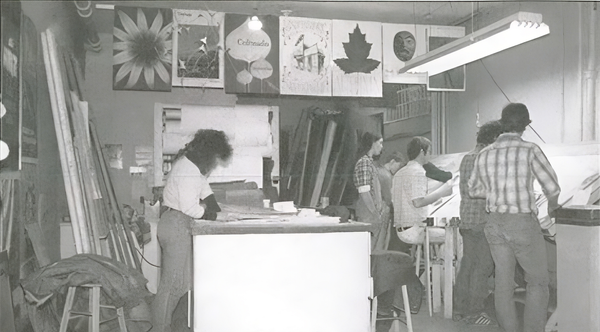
x=488, y=133
x=204, y=149
x=515, y=118
x=366, y=142
x=415, y=146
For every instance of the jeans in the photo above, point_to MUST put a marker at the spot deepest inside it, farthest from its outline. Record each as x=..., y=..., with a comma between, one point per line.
x=518, y=238
x=476, y=267
x=176, y=268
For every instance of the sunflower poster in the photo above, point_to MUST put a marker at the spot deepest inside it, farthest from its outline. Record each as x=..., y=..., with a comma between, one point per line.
x=251, y=55
x=357, y=56
x=305, y=56
x=198, y=48
x=142, y=49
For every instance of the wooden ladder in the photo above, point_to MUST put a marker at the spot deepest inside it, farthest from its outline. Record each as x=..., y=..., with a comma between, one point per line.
x=94, y=310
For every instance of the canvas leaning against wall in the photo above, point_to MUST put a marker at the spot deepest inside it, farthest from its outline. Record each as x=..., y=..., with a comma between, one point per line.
x=142, y=49
x=305, y=56
x=251, y=56
x=198, y=48
x=357, y=56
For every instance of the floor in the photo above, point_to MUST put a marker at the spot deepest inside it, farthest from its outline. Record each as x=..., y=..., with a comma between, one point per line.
x=437, y=323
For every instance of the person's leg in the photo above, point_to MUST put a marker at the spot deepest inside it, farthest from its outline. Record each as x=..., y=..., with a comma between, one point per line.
x=463, y=279
x=505, y=262
x=175, y=278
x=483, y=267
x=530, y=250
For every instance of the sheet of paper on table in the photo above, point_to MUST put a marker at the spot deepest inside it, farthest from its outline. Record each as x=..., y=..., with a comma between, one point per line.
x=577, y=167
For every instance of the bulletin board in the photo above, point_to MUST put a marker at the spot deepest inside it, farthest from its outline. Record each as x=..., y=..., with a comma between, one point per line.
x=253, y=132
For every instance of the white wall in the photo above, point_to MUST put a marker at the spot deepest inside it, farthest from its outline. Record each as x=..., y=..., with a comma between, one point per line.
x=544, y=74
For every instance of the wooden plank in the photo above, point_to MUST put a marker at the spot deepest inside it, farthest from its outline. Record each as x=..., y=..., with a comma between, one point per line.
x=118, y=217
x=448, y=271
x=75, y=213
x=325, y=153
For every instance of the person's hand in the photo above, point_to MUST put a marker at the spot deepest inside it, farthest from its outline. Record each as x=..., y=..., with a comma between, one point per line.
x=547, y=222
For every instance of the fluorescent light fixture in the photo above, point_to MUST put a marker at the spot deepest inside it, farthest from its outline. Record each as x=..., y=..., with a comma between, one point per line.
x=506, y=33
x=254, y=23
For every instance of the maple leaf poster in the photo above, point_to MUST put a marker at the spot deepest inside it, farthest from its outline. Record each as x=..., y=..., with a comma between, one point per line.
x=357, y=69
x=305, y=56
x=251, y=56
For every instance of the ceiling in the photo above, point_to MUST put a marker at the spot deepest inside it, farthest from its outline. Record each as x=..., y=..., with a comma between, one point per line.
x=411, y=12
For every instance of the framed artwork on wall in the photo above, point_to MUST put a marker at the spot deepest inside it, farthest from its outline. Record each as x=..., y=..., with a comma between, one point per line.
x=356, y=50
x=251, y=56
x=401, y=43
x=404, y=42
x=453, y=79
x=136, y=33
x=305, y=56
x=198, y=48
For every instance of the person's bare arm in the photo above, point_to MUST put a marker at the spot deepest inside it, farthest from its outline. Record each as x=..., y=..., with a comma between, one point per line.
x=443, y=190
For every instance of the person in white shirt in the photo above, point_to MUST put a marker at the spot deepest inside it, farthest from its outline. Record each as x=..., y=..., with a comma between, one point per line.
x=187, y=196
x=411, y=197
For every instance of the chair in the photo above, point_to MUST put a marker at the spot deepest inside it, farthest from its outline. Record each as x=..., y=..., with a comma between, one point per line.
x=390, y=270
x=93, y=307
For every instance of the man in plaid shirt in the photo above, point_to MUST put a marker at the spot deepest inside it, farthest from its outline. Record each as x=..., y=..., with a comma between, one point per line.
x=504, y=173
x=476, y=265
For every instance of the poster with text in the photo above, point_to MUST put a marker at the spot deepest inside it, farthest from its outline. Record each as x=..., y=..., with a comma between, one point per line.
x=198, y=48
x=251, y=55
x=305, y=56
x=357, y=69
x=401, y=43
x=142, y=49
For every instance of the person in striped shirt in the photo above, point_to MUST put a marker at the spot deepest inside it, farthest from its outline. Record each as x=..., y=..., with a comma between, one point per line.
x=503, y=174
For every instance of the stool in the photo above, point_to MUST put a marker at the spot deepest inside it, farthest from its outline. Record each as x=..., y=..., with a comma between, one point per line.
x=390, y=269
x=395, y=327
x=94, y=310
x=429, y=268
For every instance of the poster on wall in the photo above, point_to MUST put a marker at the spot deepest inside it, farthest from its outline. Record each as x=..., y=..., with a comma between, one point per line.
x=251, y=55
x=9, y=117
x=401, y=43
x=453, y=79
x=29, y=53
x=142, y=49
x=198, y=48
x=357, y=69
x=305, y=56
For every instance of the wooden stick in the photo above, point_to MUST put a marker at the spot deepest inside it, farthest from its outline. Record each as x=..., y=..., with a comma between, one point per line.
x=113, y=200
x=301, y=184
x=325, y=153
x=79, y=246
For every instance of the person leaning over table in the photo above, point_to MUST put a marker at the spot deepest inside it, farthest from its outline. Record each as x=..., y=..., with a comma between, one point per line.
x=476, y=265
x=503, y=174
x=186, y=196
x=370, y=207
x=411, y=198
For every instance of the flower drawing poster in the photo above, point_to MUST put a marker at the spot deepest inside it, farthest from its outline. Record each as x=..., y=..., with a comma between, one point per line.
x=251, y=56
x=305, y=56
x=142, y=49
x=357, y=56
x=198, y=48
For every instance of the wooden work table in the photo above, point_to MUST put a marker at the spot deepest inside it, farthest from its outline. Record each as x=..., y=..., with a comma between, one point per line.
x=282, y=273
